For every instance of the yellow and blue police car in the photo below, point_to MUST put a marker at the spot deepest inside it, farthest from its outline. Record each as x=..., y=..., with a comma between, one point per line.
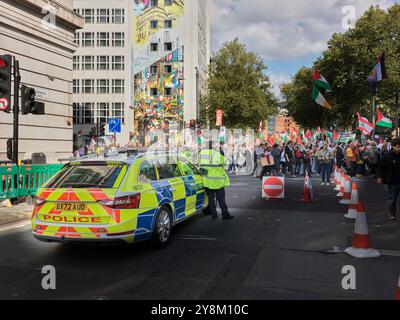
x=131, y=200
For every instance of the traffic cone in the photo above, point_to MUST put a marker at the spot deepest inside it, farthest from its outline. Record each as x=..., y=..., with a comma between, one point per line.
x=347, y=192
x=308, y=194
x=342, y=183
x=361, y=247
x=338, y=180
x=354, y=203
x=398, y=291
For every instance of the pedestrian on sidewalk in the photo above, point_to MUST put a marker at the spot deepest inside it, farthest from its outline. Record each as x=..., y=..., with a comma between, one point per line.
x=389, y=174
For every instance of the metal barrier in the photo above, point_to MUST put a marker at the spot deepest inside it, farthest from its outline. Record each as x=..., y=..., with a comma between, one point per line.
x=24, y=181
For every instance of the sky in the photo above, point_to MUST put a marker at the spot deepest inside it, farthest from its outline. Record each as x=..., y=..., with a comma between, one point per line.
x=286, y=34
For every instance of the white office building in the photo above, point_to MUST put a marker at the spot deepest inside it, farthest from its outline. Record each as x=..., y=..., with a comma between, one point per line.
x=102, y=87
x=143, y=61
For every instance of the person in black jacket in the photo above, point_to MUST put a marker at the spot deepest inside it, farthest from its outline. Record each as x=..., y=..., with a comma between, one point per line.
x=389, y=173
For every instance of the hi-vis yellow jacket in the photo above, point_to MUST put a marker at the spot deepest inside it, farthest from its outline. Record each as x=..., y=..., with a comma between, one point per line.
x=214, y=162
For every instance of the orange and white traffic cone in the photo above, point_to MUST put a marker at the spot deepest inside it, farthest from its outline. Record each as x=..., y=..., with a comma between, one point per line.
x=398, y=291
x=342, y=183
x=361, y=247
x=354, y=203
x=347, y=192
x=308, y=193
x=338, y=180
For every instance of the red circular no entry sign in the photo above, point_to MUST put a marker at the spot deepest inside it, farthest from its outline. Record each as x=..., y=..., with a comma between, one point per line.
x=273, y=187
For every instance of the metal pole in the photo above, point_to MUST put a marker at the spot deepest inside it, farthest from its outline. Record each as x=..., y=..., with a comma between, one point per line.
x=373, y=115
x=17, y=80
x=396, y=124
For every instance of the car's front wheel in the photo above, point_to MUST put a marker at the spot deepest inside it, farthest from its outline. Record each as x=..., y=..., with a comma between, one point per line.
x=163, y=228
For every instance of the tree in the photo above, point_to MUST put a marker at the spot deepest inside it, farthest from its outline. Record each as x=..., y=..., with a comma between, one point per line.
x=346, y=64
x=237, y=84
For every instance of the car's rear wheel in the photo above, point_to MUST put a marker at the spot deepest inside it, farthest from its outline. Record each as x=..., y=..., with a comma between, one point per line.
x=163, y=228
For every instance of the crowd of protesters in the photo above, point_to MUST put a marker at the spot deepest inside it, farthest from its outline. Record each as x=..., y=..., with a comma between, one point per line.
x=379, y=161
x=320, y=157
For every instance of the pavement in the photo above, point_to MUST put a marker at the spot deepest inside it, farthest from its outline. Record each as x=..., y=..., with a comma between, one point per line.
x=15, y=215
x=272, y=250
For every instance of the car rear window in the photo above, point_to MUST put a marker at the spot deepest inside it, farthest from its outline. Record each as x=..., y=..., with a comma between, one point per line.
x=102, y=175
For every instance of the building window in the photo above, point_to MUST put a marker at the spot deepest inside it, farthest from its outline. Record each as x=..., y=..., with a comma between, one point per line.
x=103, y=112
x=103, y=63
x=87, y=62
x=76, y=113
x=167, y=68
x=118, y=39
x=153, y=24
x=88, y=86
x=118, y=15
x=75, y=64
x=118, y=86
x=88, y=39
x=103, y=15
x=154, y=92
x=87, y=112
x=117, y=111
x=168, y=3
x=118, y=63
x=103, y=86
x=153, y=69
x=75, y=85
x=103, y=39
x=168, y=46
x=154, y=3
x=168, y=24
x=77, y=37
x=167, y=92
x=153, y=47
x=88, y=14
x=77, y=11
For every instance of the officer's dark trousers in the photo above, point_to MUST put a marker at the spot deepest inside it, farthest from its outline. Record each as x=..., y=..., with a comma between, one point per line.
x=220, y=195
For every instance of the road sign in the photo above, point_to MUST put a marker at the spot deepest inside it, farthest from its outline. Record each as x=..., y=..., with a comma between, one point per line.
x=219, y=118
x=273, y=187
x=114, y=125
x=4, y=103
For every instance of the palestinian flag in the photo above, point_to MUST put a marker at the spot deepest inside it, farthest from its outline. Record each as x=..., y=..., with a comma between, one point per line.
x=309, y=134
x=336, y=136
x=320, y=81
x=364, y=125
x=383, y=121
x=378, y=73
x=260, y=127
x=319, y=98
x=271, y=141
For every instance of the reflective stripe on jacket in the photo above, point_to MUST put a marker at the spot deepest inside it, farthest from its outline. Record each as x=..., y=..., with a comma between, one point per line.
x=214, y=162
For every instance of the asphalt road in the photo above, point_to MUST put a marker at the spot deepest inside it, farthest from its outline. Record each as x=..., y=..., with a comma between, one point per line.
x=271, y=250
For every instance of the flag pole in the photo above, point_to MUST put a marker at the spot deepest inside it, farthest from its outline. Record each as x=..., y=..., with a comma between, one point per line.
x=373, y=115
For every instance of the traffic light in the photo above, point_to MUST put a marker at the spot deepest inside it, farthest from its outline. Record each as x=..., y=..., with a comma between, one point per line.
x=5, y=83
x=28, y=103
x=10, y=149
x=101, y=129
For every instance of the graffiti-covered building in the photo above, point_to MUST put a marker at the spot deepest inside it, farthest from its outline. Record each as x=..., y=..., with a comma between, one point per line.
x=171, y=51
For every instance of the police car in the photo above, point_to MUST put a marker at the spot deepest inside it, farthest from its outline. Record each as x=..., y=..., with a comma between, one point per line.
x=131, y=200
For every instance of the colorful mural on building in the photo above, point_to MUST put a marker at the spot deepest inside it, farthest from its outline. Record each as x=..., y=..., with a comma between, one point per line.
x=158, y=63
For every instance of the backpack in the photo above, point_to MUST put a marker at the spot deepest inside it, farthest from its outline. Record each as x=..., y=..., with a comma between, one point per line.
x=299, y=154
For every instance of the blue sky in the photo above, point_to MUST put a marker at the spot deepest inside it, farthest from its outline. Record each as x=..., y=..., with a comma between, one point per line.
x=286, y=34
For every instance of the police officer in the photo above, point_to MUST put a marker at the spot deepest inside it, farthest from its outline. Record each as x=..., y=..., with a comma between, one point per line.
x=215, y=179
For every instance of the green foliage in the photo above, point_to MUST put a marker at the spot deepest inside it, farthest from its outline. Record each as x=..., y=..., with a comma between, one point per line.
x=346, y=64
x=237, y=84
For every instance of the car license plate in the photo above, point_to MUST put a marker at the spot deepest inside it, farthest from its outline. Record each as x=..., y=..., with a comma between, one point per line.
x=62, y=206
